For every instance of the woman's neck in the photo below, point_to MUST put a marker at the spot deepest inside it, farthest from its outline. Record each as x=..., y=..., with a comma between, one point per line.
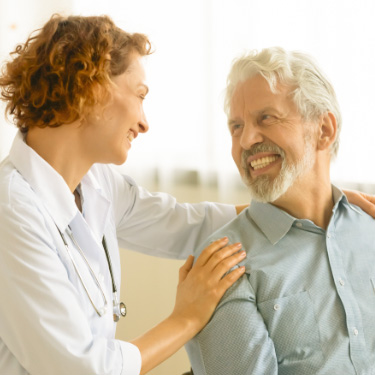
x=63, y=148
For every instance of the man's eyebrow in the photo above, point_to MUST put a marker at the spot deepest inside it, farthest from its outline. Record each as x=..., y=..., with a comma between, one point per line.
x=269, y=109
x=257, y=112
x=233, y=121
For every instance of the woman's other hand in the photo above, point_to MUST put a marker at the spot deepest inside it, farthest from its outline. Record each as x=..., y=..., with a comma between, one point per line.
x=240, y=208
x=365, y=201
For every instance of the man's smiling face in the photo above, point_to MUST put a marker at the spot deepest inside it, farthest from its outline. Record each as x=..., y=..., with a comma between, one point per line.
x=271, y=144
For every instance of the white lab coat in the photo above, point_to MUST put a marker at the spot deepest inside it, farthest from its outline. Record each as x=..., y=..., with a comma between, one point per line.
x=47, y=323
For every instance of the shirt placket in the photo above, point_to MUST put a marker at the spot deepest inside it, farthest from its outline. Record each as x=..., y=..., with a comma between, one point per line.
x=357, y=344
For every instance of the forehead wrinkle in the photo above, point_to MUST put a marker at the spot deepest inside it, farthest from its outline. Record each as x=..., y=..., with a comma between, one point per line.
x=237, y=101
x=279, y=102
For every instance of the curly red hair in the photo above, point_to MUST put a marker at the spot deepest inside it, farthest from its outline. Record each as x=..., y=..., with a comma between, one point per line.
x=65, y=69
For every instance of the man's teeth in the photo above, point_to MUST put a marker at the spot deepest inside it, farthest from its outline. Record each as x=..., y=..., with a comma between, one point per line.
x=130, y=136
x=263, y=162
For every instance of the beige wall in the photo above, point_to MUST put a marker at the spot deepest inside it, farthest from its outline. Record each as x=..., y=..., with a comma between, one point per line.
x=149, y=284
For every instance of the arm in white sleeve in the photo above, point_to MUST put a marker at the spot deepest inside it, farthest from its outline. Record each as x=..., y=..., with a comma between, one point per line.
x=156, y=224
x=236, y=340
x=41, y=320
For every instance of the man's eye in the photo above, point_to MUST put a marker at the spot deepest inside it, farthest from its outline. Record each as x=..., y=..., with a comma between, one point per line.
x=236, y=129
x=267, y=118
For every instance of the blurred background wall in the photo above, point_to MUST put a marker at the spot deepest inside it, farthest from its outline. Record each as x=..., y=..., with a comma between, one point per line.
x=187, y=150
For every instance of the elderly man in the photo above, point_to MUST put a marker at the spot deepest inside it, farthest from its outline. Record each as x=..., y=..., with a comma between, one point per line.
x=306, y=304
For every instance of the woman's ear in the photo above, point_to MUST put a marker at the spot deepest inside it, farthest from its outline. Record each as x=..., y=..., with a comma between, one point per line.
x=327, y=131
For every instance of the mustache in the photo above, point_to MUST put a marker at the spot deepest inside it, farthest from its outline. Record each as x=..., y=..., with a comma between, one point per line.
x=261, y=147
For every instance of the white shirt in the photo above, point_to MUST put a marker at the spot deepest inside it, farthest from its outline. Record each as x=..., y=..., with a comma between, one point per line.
x=47, y=323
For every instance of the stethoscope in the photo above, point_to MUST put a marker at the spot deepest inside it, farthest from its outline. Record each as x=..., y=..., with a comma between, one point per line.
x=119, y=308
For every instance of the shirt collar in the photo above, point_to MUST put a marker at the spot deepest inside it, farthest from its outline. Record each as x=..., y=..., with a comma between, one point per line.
x=340, y=198
x=272, y=221
x=53, y=191
x=276, y=223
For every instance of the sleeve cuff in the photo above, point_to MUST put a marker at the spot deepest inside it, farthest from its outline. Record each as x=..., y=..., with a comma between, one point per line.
x=131, y=359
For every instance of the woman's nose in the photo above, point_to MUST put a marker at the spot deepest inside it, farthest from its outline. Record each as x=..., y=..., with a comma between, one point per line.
x=143, y=124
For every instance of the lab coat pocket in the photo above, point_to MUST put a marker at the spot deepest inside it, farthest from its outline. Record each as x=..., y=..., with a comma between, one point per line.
x=293, y=329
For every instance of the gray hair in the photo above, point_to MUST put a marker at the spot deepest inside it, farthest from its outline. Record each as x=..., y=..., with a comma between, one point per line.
x=312, y=92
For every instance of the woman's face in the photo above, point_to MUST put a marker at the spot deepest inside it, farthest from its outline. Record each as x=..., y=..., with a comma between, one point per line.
x=112, y=130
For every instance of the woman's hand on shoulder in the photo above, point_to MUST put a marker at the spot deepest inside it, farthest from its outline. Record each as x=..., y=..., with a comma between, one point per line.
x=199, y=290
x=365, y=201
x=202, y=285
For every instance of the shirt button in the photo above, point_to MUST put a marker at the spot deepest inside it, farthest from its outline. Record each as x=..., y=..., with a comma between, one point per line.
x=355, y=331
x=299, y=225
x=342, y=282
x=276, y=307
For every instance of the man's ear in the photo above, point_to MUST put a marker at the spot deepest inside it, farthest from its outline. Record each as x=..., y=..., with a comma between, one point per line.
x=327, y=130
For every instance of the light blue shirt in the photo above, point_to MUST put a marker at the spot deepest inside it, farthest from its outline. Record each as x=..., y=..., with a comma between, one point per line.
x=47, y=323
x=306, y=304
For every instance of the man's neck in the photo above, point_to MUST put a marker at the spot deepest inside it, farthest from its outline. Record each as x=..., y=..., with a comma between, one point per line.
x=310, y=200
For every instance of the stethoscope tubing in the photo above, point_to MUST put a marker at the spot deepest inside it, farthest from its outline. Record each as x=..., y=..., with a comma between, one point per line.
x=101, y=311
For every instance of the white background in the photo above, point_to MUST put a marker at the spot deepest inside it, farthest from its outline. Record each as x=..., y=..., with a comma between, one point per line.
x=195, y=42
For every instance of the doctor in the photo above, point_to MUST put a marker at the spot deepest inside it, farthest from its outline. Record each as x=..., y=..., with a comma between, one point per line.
x=75, y=90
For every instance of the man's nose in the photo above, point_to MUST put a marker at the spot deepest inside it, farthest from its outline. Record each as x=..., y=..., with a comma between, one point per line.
x=250, y=136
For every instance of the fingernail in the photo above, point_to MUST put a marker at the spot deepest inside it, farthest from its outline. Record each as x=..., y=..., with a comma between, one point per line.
x=220, y=239
x=242, y=254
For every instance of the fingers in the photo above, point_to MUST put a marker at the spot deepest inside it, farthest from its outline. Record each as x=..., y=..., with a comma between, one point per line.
x=224, y=265
x=368, y=207
x=185, y=269
x=365, y=201
x=209, y=250
x=225, y=258
x=368, y=204
x=370, y=198
x=202, y=286
x=227, y=281
x=218, y=260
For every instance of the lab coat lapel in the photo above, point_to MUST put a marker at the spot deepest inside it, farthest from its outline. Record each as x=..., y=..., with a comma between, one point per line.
x=49, y=185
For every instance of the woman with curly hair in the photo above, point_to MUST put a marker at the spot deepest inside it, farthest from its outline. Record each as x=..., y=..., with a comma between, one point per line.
x=75, y=91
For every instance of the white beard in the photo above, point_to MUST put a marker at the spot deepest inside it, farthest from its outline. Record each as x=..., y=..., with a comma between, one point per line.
x=264, y=188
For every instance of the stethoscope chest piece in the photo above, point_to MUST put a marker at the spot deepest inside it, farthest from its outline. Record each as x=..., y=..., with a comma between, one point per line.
x=119, y=311
x=122, y=309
